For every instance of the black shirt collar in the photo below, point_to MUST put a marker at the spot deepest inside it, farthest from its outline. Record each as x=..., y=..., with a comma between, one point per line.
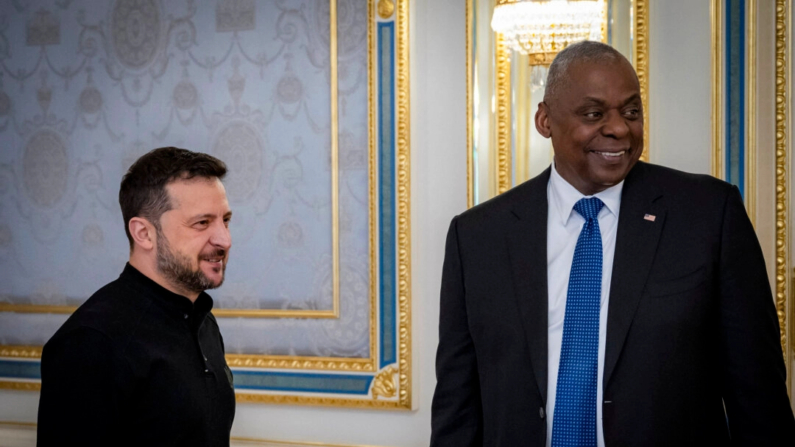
x=174, y=303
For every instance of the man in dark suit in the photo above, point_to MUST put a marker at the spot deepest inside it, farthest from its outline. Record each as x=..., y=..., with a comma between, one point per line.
x=607, y=302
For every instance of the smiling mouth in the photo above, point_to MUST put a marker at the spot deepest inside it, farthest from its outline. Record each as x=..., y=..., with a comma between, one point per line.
x=611, y=154
x=216, y=259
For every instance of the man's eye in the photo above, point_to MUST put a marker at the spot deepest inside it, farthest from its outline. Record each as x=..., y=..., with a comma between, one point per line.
x=632, y=113
x=202, y=223
x=593, y=115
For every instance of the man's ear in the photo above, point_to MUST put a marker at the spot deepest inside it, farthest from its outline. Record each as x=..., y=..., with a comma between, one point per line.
x=542, y=120
x=143, y=233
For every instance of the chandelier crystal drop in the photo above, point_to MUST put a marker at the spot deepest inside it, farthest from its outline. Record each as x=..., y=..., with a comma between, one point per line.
x=541, y=29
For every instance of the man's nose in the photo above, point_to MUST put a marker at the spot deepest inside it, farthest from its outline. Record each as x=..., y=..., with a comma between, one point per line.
x=615, y=125
x=221, y=236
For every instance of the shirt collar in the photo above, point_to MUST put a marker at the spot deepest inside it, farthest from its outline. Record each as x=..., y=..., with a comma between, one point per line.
x=172, y=302
x=563, y=197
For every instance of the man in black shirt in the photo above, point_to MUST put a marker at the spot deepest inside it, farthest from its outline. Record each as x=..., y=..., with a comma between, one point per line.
x=141, y=362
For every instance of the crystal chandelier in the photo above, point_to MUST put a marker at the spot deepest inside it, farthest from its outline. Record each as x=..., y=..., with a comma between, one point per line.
x=541, y=29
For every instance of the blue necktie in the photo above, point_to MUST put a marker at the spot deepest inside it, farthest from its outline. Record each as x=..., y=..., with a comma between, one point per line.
x=575, y=399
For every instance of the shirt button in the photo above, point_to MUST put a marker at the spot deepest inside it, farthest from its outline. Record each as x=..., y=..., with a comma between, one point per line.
x=206, y=370
x=205, y=359
x=541, y=412
x=186, y=316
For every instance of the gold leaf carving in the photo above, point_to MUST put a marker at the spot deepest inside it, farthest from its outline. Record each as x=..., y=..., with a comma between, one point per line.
x=503, y=93
x=384, y=383
x=385, y=9
x=782, y=117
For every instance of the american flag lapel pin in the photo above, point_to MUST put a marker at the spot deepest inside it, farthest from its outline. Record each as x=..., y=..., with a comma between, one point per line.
x=650, y=217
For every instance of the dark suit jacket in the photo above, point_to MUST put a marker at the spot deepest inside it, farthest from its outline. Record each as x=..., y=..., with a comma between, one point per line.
x=691, y=327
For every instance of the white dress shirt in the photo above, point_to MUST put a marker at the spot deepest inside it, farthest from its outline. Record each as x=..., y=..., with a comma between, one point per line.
x=563, y=228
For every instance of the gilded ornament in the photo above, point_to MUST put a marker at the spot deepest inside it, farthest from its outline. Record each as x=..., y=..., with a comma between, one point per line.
x=782, y=133
x=20, y=386
x=15, y=351
x=404, y=193
x=385, y=9
x=470, y=106
x=503, y=115
x=293, y=362
x=384, y=383
x=642, y=65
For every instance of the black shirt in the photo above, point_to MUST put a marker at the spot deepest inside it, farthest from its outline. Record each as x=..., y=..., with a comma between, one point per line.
x=136, y=365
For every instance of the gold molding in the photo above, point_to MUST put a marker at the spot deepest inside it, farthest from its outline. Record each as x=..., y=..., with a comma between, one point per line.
x=385, y=9
x=470, y=106
x=384, y=383
x=641, y=55
x=404, y=194
x=783, y=20
x=21, y=351
x=716, y=21
x=242, y=360
x=502, y=88
x=750, y=108
x=18, y=385
x=324, y=401
x=300, y=362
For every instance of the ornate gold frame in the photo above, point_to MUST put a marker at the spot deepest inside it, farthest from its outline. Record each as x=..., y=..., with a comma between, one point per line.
x=502, y=115
x=783, y=75
x=391, y=386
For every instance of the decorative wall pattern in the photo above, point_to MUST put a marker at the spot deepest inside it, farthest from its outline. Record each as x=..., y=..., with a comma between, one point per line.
x=88, y=87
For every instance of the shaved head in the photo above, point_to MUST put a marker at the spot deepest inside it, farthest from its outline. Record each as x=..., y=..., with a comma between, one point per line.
x=586, y=51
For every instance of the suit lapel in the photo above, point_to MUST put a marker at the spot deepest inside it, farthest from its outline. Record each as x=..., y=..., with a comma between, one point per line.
x=527, y=249
x=636, y=244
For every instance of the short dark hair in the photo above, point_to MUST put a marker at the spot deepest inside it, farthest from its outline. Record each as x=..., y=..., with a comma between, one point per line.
x=583, y=51
x=143, y=188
